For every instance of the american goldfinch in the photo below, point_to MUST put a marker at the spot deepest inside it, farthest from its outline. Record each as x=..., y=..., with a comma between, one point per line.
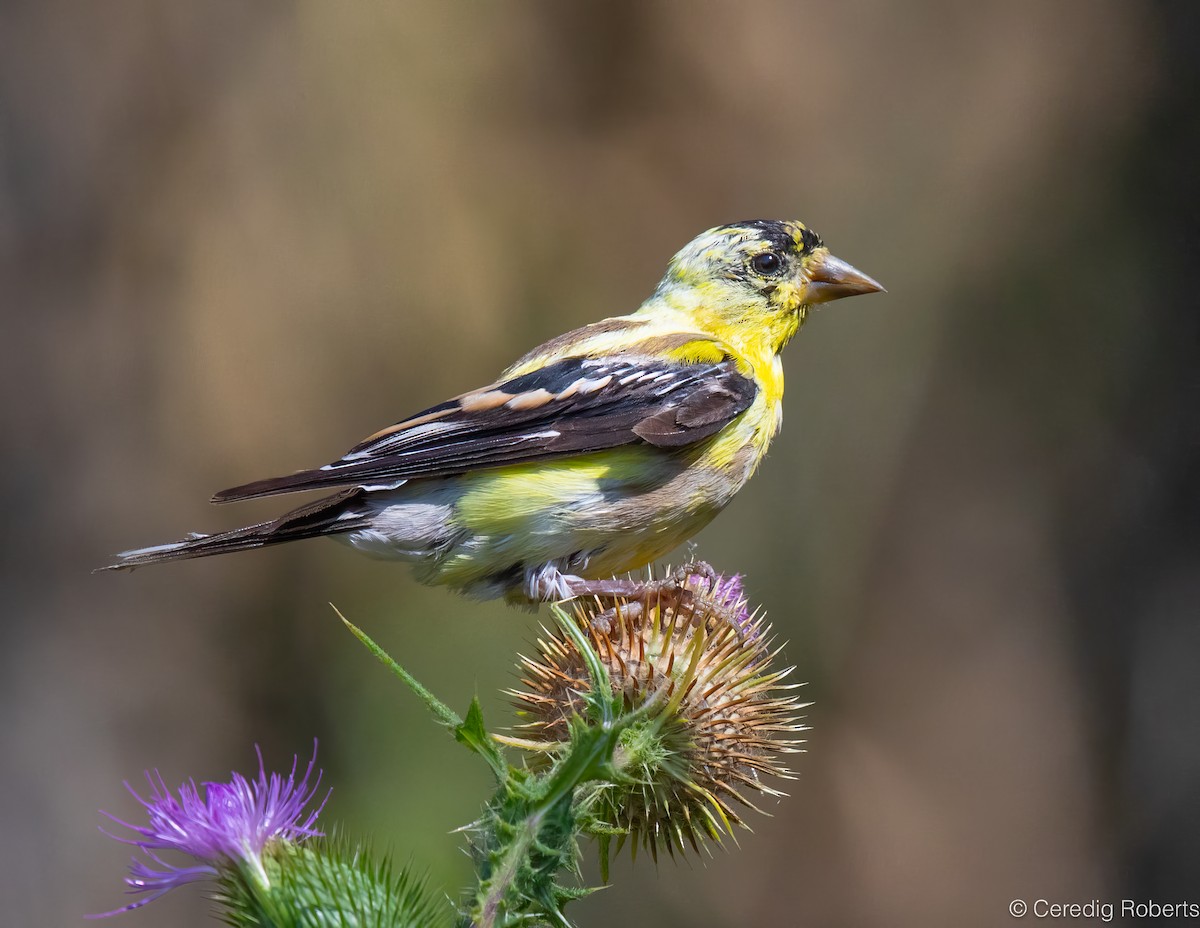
x=593, y=455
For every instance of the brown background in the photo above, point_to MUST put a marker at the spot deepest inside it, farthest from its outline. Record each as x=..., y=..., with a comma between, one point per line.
x=237, y=237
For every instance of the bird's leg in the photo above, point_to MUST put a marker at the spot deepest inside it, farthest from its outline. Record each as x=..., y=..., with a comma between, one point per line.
x=676, y=592
x=686, y=572
x=549, y=584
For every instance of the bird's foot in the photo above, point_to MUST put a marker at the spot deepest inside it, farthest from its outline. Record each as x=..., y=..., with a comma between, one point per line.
x=626, y=598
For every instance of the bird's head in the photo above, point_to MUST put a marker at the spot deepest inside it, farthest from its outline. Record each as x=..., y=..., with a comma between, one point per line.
x=753, y=282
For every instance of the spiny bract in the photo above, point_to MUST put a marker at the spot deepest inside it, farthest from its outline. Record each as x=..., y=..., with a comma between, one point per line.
x=718, y=722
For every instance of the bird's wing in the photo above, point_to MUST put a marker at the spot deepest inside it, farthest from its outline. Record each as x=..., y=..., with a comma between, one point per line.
x=570, y=406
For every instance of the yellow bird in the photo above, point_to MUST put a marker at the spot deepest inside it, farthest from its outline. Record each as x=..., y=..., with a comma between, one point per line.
x=594, y=454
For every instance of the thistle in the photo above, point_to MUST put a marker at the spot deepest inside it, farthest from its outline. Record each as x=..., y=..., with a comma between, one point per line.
x=220, y=825
x=656, y=719
x=714, y=716
x=246, y=836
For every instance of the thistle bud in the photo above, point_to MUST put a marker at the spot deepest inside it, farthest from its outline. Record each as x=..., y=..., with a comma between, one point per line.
x=714, y=717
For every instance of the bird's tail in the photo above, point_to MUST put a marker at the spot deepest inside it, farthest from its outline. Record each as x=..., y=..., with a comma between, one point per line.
x=330, y=516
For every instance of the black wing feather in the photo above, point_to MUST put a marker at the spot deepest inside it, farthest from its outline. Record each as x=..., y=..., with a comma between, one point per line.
x=572, y=406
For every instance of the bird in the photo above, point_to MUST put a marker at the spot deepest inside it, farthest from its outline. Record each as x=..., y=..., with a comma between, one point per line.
x=594, y=455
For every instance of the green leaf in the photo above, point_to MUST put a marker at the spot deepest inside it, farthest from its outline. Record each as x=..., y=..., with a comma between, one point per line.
x=472, y=733
x=602, y=706
x=441, y=712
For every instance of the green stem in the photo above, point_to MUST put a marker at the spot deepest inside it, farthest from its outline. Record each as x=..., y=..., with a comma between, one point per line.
x=586, y=762
x=506, y=873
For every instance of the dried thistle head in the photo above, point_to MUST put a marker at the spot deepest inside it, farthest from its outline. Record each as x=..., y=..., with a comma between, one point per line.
x=716, y=718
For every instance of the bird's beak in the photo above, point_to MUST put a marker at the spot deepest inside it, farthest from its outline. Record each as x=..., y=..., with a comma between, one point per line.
x=831, y=278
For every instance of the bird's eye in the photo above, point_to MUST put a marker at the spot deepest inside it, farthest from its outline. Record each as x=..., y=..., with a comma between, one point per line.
x=767, y=263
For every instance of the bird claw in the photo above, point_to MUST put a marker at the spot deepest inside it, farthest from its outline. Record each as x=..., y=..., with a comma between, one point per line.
x=629, y=598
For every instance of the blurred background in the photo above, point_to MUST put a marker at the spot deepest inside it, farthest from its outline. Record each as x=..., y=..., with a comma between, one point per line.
x=238, y=237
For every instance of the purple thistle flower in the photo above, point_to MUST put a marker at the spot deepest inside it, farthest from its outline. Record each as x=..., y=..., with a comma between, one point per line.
x=729, y=589
x=729, y=593
x=230, y=823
